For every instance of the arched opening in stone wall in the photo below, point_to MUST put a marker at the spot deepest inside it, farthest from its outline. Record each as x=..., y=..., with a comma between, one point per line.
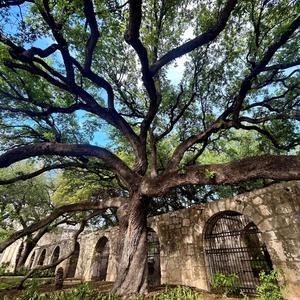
x=31, y=260
x=42, y=257
x=73, y=262
x=54, y=258
x=153, y=259
x=55, y=255
x=233, y=244
x=100, y=259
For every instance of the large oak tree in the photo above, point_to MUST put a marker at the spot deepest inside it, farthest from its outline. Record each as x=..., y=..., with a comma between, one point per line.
x=70, y=68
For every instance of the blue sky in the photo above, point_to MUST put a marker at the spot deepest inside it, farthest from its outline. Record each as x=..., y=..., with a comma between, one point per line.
x=101, y=137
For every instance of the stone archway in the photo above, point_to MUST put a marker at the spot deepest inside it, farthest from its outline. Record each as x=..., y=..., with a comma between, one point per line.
x=153, y=248
x=31, y=262
x=73, y=262
x=54, y=258
x=42, y=257
x=55, y=255
x=233, y=244
x=100, y=259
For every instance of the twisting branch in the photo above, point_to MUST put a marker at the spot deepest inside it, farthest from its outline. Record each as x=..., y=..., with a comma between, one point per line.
x=198, y=41
x=132, y=38
x=175, y=119
x=39, y=172
x=64, y=257
x=198, y=138
x=277, y=167
x=63, y=46
x=110, y=116
x=247, y=82
x=94, y=36
x=282, y=66
x=75, y=150
x=236, y=106
x=57, y=212
x=68, y=84
x=50, y=110
x=270, y=137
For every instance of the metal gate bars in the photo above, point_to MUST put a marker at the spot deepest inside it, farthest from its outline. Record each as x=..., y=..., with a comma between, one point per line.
x=233, y=245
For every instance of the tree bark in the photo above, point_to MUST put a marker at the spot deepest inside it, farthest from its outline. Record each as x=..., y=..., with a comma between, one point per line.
x=132, y=272
x=123, y=216
x=29, y=244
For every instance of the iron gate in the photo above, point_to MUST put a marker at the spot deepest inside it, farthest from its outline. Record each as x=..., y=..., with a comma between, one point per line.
x=233, y=244
x=101, y=259
x=153, y=258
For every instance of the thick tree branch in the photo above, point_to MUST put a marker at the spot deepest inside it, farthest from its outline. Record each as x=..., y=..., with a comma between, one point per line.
x=198, y=138
x=109, y=115
x=282, y=66
x=50, y=110
x=238, y=101
x=266, y=166
x=94, y=36
x=75, y=150
x=83, y=206
x=63, y=46
x=132, y=38
x=64, y=257
x=198, y=41
x=39, y=172
x=260, y=67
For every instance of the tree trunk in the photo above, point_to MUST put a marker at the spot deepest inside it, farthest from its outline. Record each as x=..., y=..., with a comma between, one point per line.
x=29, y=245
x=123, y=216
x=132, y=268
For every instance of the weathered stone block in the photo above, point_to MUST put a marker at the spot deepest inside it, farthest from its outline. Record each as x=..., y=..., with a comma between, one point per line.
x=257, y=201
x=265, y=210
x=186, y=222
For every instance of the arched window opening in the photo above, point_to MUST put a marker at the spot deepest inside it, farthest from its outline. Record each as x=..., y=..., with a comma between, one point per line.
x=42, y=257
x=54, y=258
x=101, y=259
x=31, y=260
x=55, y=255
x=73, y=262
x=233, y=244
x=153, y=258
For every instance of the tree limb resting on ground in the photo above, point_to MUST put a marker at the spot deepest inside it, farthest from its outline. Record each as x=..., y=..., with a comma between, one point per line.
x=84, y=206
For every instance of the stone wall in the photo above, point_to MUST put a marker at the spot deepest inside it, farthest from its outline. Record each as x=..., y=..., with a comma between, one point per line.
x=275, y=210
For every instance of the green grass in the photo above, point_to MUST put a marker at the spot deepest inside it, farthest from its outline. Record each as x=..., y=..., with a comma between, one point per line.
x=9, y=281
x=84, y=291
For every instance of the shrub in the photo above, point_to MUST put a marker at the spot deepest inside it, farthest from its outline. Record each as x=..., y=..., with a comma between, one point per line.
x=44, y=273
x=268, y=289
x=3, y=268
x=82, y=292
x=226, y=283
x=31, y=292
x=85, y=292
x=178, y=293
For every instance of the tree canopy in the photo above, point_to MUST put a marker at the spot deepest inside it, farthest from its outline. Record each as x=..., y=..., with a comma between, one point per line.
x=171, y=83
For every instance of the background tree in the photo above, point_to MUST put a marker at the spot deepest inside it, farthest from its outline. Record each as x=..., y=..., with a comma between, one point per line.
x=70, y=69
x=24, y=203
